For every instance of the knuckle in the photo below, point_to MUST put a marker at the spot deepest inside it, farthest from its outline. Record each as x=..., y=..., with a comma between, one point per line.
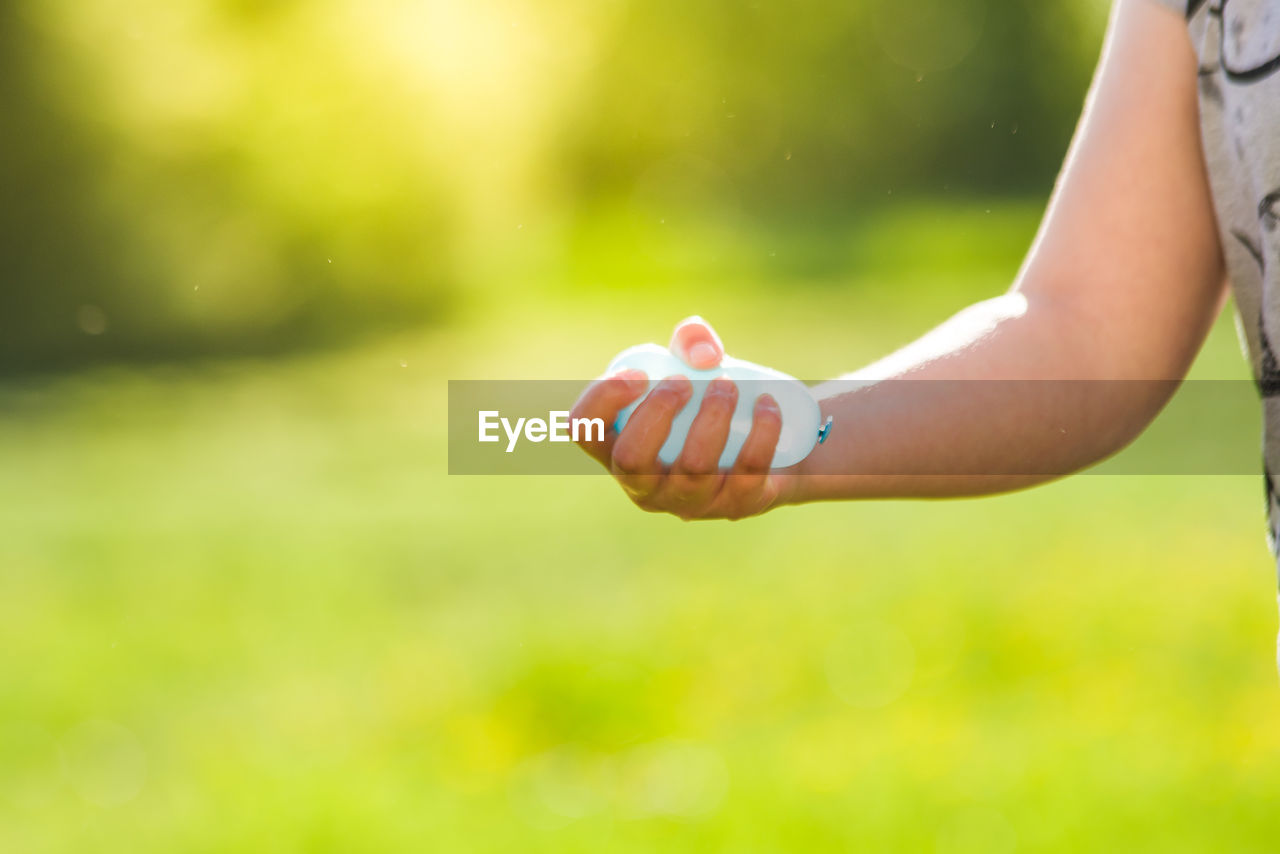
x=743, y=509
x=686, y=487
x=757, y=456
x=697, y=462
x=679, y=489
x=714, y=418
x=626, y=459
x=769, y=420
x=754, y=463
x=612, y=391
x=578, y=410
x=667, y=400
x=646, y=503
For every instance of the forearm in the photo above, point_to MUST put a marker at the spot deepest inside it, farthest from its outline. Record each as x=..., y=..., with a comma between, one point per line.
x=1110, y=308
x=1114, y=300
x=1011, y=392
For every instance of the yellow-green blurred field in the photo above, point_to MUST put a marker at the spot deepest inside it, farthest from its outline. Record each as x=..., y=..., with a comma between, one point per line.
x=244, y=608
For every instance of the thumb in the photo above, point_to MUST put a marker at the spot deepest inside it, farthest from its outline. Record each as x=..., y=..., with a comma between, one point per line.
x=696, y=344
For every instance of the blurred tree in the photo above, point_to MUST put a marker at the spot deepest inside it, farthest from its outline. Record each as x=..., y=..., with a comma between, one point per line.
x=226, y=176
x=200, y=178
x=826, y=106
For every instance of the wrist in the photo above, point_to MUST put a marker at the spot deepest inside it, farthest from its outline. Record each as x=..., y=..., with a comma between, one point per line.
x=792, y=484
x=804, y=481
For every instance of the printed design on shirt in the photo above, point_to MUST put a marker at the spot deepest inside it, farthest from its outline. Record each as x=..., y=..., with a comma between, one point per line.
x=1268, y=367
x=1271, y=498
x=1210, y=64
x=1268, y=378
x=1253, y=52
x=1250, y=247
x=1269, y=210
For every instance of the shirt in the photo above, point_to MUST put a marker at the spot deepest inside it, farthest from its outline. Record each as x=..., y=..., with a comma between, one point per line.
x=1238, y=46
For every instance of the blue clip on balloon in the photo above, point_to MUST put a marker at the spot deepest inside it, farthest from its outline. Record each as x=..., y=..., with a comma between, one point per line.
x=802, y=425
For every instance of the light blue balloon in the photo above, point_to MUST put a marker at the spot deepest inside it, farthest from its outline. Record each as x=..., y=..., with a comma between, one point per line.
x=801, y=416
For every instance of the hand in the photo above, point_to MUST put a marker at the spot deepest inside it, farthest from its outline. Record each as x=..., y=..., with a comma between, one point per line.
x=693, y=487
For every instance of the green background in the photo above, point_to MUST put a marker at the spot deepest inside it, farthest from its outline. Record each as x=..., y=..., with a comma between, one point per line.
x=243, y=608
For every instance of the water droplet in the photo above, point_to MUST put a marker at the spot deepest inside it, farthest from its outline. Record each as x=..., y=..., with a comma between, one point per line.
x=404, y=363
x=91, y=320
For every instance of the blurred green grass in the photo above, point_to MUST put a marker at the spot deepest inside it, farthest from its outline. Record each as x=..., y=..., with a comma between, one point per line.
x=243, y=608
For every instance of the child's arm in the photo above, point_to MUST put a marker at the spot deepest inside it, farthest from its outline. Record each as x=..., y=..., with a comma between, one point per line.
x=1122, y=283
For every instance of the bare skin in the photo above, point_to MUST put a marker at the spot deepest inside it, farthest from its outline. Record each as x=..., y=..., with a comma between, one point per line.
x=1122, y=283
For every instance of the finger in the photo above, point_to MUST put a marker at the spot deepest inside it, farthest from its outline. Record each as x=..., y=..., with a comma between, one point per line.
x=756, y=455
x=694, y=478
x=748, y=487
x=696, y=344
x=604, y=399
x=635, y=453
x=710, y=430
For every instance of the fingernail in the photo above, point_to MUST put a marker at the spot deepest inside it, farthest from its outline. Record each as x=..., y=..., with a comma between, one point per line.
x=702, y=353
x=633, y=378
x=678, y=383
x=721, y=387
x=767, y=403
